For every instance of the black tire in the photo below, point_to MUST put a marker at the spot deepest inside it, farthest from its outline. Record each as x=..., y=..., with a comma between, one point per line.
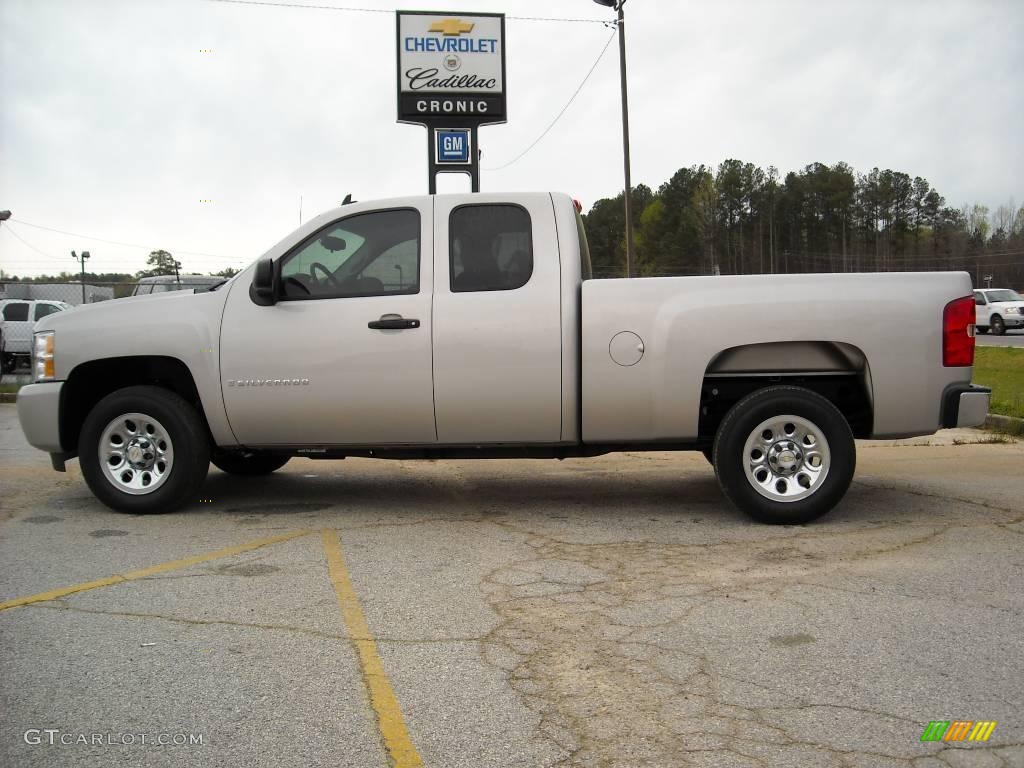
x=709, y=454
x=997, y=325
x=186, y=433
x=981, y=328
x=7, y=364
x=251, y=465
x=752, y=411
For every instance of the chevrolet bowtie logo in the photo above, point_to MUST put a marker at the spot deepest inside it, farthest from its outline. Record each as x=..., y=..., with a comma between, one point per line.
x=451, y=27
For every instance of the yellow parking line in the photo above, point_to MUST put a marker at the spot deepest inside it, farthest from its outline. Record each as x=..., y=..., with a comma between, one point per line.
x=382, y=696
x=174, y=565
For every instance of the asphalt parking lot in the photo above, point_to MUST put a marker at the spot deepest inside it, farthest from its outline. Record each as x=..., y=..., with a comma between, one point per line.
x=603, y=612
x=1009, y=339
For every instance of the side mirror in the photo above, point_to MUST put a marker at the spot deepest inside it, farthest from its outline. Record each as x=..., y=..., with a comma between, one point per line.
x=264, y=283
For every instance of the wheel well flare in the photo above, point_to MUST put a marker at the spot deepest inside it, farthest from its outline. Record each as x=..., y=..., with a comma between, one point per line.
x=90, y=382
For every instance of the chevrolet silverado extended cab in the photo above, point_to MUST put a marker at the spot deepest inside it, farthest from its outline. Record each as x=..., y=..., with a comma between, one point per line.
x=468, y=326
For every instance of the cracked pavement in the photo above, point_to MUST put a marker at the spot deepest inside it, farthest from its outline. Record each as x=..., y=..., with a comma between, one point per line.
x=605, y=612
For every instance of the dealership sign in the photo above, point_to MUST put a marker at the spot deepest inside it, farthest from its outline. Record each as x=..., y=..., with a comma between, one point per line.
x=451, y=68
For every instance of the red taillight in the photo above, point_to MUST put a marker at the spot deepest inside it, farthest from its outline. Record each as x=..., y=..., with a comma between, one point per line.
x=958, y=332
x=577, y=205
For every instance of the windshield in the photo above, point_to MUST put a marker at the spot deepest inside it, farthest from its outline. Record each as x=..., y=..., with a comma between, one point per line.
x=1003, y=295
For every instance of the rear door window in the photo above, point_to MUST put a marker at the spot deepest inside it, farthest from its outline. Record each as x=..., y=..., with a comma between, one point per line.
x=491, y=248
x=16, y=311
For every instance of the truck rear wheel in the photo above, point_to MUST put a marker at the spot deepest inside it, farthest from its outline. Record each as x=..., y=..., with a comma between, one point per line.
x=144, y=450
x=251, y=465
x=784, y=455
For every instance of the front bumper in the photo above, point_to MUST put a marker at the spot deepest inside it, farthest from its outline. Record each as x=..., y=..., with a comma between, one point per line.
x=39, y=414
x=965, y=405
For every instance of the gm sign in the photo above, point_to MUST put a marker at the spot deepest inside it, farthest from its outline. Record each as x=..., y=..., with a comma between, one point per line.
x=451, y=146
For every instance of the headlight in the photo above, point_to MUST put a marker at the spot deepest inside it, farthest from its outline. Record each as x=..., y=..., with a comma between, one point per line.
x=42, y=356
x=1013, y=310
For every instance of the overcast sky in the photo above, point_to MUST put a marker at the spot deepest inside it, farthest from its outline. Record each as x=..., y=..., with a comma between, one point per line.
x=115, y=123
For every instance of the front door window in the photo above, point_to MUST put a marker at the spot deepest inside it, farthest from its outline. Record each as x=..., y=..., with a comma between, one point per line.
x=369, y=254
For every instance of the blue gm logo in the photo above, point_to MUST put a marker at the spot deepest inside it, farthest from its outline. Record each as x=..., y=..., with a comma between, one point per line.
x=452, y=145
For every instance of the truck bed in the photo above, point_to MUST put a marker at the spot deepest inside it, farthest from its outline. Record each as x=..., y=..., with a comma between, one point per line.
x=892, y=321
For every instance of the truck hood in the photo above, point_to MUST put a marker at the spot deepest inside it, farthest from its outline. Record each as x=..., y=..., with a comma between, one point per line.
x=1006, y=304
x=118, y=310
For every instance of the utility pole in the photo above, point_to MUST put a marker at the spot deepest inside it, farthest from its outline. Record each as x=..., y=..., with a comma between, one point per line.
x=177, y=277
x=4, y=216
x=81, y=260
x=617, y=5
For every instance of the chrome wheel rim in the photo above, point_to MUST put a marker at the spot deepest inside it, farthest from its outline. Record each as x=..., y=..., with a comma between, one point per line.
x=786, y=458
x=136, y=453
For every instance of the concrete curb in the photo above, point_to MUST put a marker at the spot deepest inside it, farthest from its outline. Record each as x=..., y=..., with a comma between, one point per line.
x=1009, y=424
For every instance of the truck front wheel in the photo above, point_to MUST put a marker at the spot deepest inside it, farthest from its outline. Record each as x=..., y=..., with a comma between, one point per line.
x=143, y=450
x=784, y=455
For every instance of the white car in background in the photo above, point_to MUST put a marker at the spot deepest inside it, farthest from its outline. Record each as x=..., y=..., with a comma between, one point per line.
x=17, y=317
x=998, y=309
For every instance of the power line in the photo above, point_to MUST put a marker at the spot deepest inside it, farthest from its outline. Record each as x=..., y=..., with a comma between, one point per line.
x=563, y=110
x=26, y=243
x=302, y=5
x=117, y=242
x=354, y=9
x=551, y=18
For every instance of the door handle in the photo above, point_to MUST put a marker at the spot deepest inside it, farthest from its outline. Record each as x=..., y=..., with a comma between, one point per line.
x=392, y=323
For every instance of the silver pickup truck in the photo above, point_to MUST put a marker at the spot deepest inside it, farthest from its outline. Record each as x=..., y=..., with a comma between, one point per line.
x=467, y=326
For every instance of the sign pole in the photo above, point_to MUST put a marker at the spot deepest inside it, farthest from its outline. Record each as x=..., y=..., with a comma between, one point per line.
x=625, y=140
x=452, y=150
x=431, y=164
x=475, y=170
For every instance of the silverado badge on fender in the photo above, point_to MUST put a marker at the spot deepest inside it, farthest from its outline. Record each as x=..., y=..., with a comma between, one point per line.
x=267, y=382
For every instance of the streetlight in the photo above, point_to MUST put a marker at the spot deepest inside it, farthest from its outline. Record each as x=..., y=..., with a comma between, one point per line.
x=4, y=216
x=81, y=259
x=617, y=5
